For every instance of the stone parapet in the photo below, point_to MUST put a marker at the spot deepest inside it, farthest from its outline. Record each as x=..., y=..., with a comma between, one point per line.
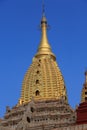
x=75, y=127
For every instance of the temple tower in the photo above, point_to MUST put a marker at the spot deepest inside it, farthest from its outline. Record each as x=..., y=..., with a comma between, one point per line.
x=84, y=90
x=43, y=80
x=82, y=108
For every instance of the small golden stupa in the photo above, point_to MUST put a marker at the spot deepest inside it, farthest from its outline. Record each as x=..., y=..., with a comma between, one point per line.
x=84, y=90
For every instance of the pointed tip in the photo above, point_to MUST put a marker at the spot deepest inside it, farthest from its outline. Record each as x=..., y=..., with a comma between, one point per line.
x=43, y=20
x=86, y=72
x=43, y=9
x=86, y=76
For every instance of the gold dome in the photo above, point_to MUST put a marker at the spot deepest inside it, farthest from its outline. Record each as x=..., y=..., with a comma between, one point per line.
x=43, y=80
x=84, y=90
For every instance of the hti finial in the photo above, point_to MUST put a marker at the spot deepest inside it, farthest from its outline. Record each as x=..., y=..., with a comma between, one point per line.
x=86, y=76
x=44, y=46
x=43, y=8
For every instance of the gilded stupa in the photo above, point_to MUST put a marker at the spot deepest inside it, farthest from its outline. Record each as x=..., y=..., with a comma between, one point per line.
x=43, y=80
x=84, y=90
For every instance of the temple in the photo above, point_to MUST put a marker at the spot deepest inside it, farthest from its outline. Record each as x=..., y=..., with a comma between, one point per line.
x=43, y=104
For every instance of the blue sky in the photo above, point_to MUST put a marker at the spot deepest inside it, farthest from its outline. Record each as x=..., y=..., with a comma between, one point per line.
x=20, y=36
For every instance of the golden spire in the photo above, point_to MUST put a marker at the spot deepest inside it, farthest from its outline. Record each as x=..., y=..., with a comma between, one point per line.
x=84, y=90
x=86, y=77
x=43, y=80
x=44, y=46
x=85, y=84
